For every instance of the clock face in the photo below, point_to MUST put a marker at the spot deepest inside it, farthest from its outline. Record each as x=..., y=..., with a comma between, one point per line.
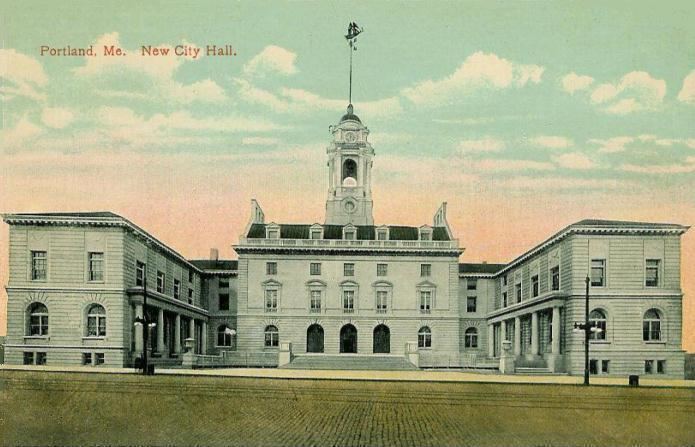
x=350, y=137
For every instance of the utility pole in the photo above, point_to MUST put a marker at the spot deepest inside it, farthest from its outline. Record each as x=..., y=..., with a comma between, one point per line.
x=587, y=328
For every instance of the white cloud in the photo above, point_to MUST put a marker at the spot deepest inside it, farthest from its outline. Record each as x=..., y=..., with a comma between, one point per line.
x=292, y=100
x=160, y=70
x=479, y=71
x=260, y=141
x=494, y=165
x=573, y=82
x=23, y=76
x=487, y=144
x=561, y=183
x=57, y=117
x=685, y=168
x=612, y=145
x=646, y=137
x=272, y=59
x=634, y=92
x=687, y=93
x=551, y=142
x=14, y=138
x=574, y=160
x=690, y=143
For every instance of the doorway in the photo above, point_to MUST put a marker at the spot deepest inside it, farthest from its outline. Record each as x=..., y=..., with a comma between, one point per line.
x=314, y=338
x=382, y=339
x=348, y=339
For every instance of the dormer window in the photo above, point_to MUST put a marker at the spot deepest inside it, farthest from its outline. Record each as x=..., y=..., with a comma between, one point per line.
x=350, y=233
x=382, y=234
x=316, y=232
x=425, y=233
x=272, y=231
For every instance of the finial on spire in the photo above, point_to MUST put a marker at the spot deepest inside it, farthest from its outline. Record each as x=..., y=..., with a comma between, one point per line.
x=353, y=31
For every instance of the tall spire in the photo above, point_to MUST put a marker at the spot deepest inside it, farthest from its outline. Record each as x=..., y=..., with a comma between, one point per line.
x=351, y=36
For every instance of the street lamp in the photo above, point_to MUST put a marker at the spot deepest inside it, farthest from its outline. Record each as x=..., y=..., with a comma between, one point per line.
x=588, y=328
x=146, y=326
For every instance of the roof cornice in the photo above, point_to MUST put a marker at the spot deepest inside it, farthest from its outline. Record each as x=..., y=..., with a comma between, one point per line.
x=112, y=221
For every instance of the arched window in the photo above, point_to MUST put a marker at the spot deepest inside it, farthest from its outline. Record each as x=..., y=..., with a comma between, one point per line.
x=651, y=326
x=38, y=319
x=224, y=335
x=424, y=337
x=471, y=338
x=597, y=318
x=96, y=321
x=272, y=337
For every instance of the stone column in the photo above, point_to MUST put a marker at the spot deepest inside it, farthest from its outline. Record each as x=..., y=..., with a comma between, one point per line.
x=160, y=331
x=491, y=340
x=138, y=331
x=503, y=331
x=191, y=333
x=203, y=337
x=555, y=346
x=517, y=336
x=534, y=333
x=177, y=334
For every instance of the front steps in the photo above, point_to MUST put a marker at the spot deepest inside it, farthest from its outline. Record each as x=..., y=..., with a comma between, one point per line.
x=536, y=371
x=351, y=362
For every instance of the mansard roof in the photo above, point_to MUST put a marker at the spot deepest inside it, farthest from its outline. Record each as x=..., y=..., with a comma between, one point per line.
x=480, y=269
x=210, y=264
x=364, y=232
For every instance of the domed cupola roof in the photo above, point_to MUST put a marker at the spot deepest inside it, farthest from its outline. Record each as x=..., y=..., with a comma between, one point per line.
x=350, y=116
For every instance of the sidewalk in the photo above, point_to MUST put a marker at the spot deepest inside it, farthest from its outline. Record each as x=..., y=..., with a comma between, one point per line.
x=406, y=376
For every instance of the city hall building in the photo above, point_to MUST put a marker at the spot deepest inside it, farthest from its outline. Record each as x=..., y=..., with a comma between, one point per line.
x=347, y=291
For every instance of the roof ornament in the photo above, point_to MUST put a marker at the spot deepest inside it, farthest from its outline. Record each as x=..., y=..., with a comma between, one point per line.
x=353, y=31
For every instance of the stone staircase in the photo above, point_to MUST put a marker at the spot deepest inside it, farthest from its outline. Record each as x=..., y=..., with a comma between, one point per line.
x=351, y=362
x=536, y=371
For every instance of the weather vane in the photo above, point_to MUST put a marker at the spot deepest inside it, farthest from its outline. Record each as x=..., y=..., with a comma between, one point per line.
x=351, y=37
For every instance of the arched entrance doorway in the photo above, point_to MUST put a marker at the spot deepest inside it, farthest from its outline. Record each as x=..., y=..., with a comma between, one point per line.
x=348, y=339
x=382, y=339
x=314, y=338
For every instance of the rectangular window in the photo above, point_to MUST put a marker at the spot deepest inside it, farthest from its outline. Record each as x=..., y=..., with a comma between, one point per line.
x=382, y=235
x=28, y=358
x=315, y=268
x=382, y=269
x=223, y=301
x=96, y=266
x=534, y=286
x=315, y=301
x=661, y=366
x=555, y=278
x=425, y=236
x=598, y=272
x=504, y=299
x=471, y=304
x=425, y=269
x=518, y=292
x=271, y=300
x=605, y=366
x=315, y=234
x=504, y=280
x=139, y=273
x=177, y=289
x=87, y=358
x=40, y=358
x=348, y=301
x=99, y=358
x=348, y=269
x=472, y=284
x=425, y=301
x=381, y=299
x=648, y=366
x=593, y=366
x=271, y=268
x=191, y=277
x=38, y=265
x=273, y=234
x=223, y=284
x=652, y=273
x=350, y=235
x=160, y=281
x=190, y=296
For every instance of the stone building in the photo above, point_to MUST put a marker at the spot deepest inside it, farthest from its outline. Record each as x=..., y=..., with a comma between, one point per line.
x=347, y=288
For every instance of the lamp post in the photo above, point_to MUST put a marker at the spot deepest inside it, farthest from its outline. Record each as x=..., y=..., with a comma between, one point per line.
x=587, y=328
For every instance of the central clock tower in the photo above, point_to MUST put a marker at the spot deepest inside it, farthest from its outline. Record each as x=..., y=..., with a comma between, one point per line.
x=349, y=173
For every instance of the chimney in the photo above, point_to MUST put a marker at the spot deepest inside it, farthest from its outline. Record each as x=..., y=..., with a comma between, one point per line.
x=214, y=254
